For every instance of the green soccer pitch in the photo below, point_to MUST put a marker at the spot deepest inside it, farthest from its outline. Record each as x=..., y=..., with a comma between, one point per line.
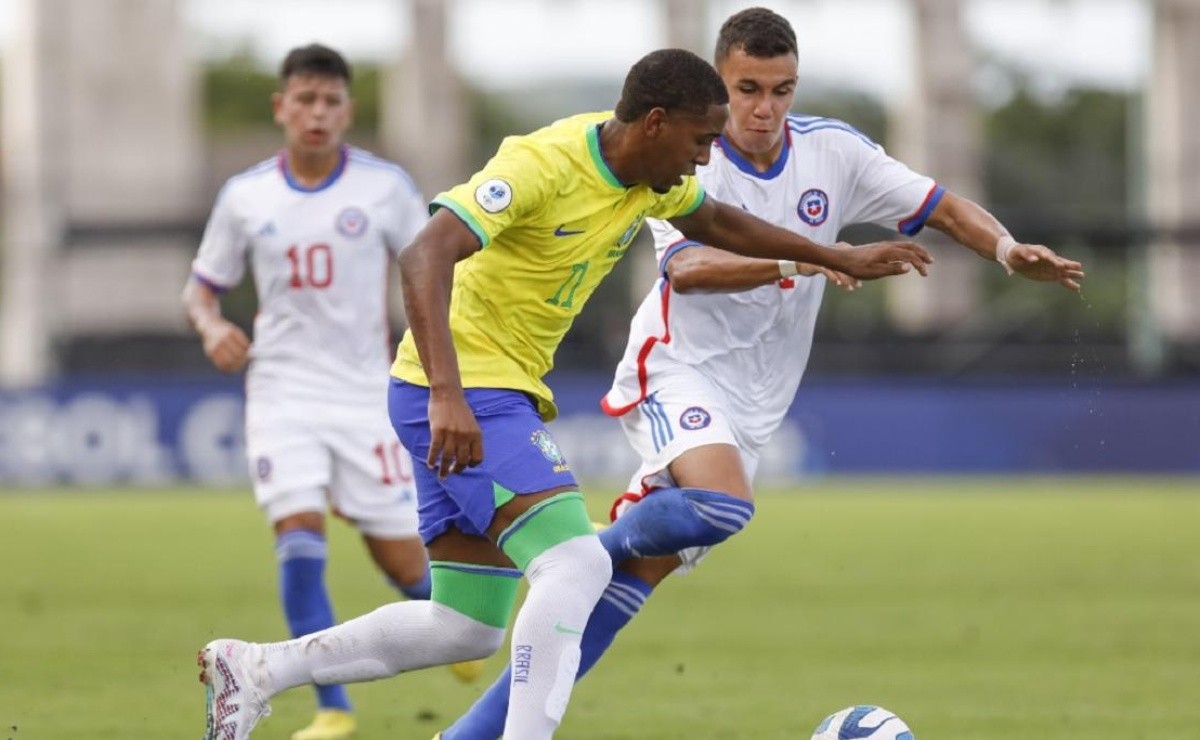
x=1005, y=609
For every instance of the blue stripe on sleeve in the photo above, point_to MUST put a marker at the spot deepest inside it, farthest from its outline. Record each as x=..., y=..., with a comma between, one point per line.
x=912, y=225
x=209, y=283
x=673, y=250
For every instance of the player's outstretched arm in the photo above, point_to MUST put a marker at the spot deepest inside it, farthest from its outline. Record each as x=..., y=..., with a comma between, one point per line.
x=225, y=345
x=972, y=226
x=710, y=270
x=733, y=229
x=426, y=275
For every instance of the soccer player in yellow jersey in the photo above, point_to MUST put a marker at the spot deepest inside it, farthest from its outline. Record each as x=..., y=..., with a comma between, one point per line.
x=705, y=402
x=491, y=285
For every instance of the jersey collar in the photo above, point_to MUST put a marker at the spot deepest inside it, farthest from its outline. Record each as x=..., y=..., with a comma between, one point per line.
x=601, y=164
x=331, y=178
x=745, y=165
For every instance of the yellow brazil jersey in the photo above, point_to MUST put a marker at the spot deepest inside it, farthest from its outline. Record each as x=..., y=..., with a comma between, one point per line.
x=553, y=220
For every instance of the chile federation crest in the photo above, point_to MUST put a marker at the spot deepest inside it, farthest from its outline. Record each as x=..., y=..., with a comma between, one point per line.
x=813, y=207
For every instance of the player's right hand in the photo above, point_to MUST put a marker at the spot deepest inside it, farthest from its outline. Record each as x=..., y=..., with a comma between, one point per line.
x=226, y=346
x=882, y=259
x=455, y=440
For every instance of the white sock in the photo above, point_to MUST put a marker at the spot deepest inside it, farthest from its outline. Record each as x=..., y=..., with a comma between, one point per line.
x=404, y=636
x=565, y=582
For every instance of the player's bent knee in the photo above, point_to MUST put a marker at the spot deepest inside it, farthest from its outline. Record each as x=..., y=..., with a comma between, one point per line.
x=405, y=575
x=596, y=565
x=554, y=542
x=720, y=515
x=669, y=520
x=580, y=568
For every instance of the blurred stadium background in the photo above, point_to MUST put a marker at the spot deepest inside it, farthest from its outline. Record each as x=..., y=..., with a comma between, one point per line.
x=1073, y=120
x=1070, y=119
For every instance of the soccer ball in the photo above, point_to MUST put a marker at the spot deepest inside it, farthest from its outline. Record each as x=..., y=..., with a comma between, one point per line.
x=863, y=722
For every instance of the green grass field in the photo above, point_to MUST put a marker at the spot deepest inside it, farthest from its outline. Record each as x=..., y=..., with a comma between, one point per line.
x=1019, y=609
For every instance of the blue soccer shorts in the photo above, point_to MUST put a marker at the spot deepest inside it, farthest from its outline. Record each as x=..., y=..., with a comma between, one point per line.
x=519, y=456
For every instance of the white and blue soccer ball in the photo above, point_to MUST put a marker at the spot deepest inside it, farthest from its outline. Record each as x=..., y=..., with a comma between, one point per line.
x=862, y=722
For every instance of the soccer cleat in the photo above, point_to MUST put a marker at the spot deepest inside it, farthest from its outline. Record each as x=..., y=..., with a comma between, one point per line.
x=467, y=671
x=600, y=526
x=329, y=724
x=437, y=736
x=234, y=703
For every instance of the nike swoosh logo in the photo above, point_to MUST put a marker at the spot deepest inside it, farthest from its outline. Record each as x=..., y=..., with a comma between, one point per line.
x=559, y=627
x=560, y=231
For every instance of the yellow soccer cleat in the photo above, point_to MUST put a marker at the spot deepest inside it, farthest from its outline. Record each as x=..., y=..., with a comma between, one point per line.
x=467, y=671
x=599, y=526
x=329, y=724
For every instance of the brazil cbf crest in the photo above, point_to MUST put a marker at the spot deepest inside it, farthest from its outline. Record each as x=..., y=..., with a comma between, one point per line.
x=694, y=418
x=632, y=231
x=351, y=222
x=542, y=440
x=618, y=250
x=813, y=207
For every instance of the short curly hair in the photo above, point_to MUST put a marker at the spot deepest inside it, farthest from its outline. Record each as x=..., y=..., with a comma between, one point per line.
x=671, y=79
x=761, y=33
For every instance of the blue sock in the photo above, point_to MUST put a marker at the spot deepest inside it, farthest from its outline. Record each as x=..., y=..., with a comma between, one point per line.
x=418, y=591
x=301, y=555
x=622, y=599
x=673, y=519
x=620, y=602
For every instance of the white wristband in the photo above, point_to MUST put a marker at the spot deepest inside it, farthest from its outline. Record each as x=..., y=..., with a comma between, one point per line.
x=788, y=268
x=1003, y=245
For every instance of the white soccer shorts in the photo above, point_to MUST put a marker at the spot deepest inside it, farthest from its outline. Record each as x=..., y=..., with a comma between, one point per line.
x=302, y=460
x=683, y=411
x=682, y=414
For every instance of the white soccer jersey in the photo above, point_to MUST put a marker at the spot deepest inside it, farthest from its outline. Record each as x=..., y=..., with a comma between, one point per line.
x=754, y=345
x=320, y=258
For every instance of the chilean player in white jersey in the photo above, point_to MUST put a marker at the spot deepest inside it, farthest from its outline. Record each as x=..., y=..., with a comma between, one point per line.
x=319, y=225
x=717, y=349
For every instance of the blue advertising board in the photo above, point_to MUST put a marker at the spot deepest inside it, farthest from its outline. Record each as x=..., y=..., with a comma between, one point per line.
x=143, y=431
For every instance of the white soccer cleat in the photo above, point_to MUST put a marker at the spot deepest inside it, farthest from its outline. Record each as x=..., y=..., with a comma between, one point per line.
x=234, y=702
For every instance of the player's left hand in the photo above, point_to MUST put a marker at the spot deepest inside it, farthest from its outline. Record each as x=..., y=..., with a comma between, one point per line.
x=1040, y=263
x=881, y=259
x=840, y=279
